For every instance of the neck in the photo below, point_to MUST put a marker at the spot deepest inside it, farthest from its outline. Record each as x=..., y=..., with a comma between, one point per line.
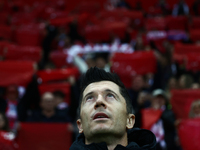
x=48, y=113
x=111, y=140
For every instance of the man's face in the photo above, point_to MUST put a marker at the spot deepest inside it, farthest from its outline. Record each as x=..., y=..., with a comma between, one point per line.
x=47, y=102
x=158, y=102
x=103, y=110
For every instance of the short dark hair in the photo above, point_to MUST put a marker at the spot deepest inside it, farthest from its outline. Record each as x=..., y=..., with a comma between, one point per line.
x=96, y=75
x=59, y=93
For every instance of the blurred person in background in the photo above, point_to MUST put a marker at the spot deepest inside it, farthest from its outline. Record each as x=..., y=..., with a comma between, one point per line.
x=6, y=137
x=195, y=109
x=172, y=84
x=181, y=8
x=59, y=97
x=102, y=62
x=164, y=7
x=196, y=7
x=185, y=81
x=9, y=105
x=164, y=128
x=4, y=124
x=136, y=88
x=48, y=111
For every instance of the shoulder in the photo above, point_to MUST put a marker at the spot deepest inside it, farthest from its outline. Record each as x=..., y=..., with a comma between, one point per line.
x=144, y=138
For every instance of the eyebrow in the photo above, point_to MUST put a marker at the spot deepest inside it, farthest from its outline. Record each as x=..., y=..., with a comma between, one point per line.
x=88, y=94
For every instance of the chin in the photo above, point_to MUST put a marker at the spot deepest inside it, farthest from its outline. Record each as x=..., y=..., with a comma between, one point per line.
x=101, y=128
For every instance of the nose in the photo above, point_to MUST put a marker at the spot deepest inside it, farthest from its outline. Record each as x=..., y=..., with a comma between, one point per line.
x=100, y=102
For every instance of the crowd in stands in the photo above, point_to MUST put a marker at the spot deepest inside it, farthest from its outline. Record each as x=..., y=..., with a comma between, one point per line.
x=153, y=46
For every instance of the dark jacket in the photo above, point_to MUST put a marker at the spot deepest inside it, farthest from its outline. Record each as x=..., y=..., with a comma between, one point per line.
x=138, y=139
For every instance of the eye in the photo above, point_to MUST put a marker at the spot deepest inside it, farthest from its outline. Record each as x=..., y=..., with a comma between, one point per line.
x=89, y=98
x=109, y=95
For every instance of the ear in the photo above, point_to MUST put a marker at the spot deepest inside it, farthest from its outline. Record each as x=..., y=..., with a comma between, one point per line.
x=79, y=124
x=130, y=121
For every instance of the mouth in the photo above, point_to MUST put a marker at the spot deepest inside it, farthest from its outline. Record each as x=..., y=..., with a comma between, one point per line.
x=100, y=116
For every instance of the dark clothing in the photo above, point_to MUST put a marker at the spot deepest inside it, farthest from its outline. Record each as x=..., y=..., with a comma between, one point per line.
x=138, y=139
x=59, y=116
x=168, y=119
x=3, y=105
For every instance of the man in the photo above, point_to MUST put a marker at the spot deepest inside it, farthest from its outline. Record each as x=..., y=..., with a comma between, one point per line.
x=164, y=128
x=48, y=112
x=106, y=118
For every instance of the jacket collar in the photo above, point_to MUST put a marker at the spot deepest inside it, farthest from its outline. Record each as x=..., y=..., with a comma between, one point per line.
x=137, y=138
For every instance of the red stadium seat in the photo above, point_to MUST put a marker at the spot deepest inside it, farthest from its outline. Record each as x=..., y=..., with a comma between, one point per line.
x=104, y=31
x=72, y=5
x=195, y=23
x=176, y=23
x=57, y=74
x=123, y=15
x=16, y=72
x=156, y=23
x=149, y=117
x=28, y=53
x=193, y=62
x=59, y=58
x=96, y=33
x=22, y=18
x=186, y=48
x=29, y=35
x=3, y=44
x=181, y=101
x=128, y=65
x=43, y=136
x=51, y=87
x=3, y=18
x=187, y=54
x=85, y=7
x=195, y=35
x=6, y=32
x=62, y=21
x=188, y=132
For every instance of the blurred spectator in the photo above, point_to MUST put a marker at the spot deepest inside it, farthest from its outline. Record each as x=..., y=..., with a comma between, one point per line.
x=196, y=7
x=50, y=34
x=195, y=86
x=48, y=111
x=181, y=8
x=136, y=88
x=74, y=34
x=185, y=81
x=172, y=84
x=139, y=44
x=101, y=61
x=138, y=6
x=4, y=124
x=49, y=66
x=123, y=4
x=164, y=7
x=164, y=128
x=149, y=81
x=61, y=37
x=9, y=105
x=195, y=109
x=59, y=97
x=6, y=137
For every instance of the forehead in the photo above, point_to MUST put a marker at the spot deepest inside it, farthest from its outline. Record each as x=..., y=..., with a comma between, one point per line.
x=101, y=86
x=47, y=96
